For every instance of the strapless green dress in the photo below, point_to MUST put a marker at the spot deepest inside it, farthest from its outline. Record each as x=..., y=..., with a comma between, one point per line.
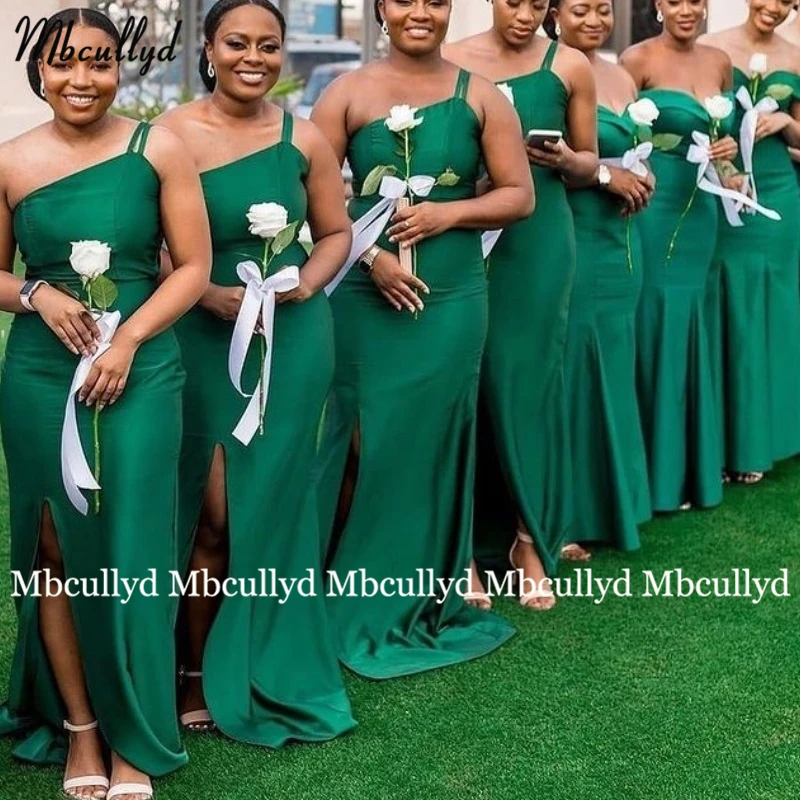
x=254, y=689
x=128, y=648
x=760, y=313
x=611, y=493
x=675, y=363
x=410, y=386
x=524, y=452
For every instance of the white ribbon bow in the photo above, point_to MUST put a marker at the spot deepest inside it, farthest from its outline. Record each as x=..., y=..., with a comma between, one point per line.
x=632, y=160
x=747, y=132
x=367, y=230
x=708, y=180
x=258, y=302
x=75, y=472
x=489, y=240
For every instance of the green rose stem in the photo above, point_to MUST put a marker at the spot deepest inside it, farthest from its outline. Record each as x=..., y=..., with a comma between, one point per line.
x=680, y=223
x=407, y=149
x=263, y=346
x=95, y=422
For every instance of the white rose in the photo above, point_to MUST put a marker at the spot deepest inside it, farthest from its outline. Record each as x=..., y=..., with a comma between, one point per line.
x=758, y=64
x=507, y=91
x=401, y=118
x=90, y=259
x=304, y=237
x=644, y=112
x=267, y=220
x=719, y=107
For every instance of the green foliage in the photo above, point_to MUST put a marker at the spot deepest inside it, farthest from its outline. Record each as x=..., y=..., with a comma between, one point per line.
x=104, y=292
x=666, y=141
x=373, y=181
x=284, y=238
x=448, y=178
x=779, y=91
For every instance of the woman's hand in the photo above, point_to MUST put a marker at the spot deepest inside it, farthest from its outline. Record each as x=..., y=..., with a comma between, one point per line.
x=417, y=222
x=636, y=192
x=725, y=149
x=109, y=373
x=299, y=295
x=770, y=124
x=223, y=301
x=68, y=318
x=555, y=155
x=396, y=284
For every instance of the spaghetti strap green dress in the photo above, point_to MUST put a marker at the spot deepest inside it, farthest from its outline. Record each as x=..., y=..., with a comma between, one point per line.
x=253, y=687
x=760, y=311
x=524, y=464
x=611, y=493
x=410, y=385
x=127, y=649
x=677, y=373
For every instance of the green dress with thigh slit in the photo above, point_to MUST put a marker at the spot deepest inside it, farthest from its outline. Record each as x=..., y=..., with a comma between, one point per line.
x=127, y=648
x=270, y=673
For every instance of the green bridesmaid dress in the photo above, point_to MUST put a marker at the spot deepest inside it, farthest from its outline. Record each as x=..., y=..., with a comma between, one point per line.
x=254, y=689
x=676, y=368
x=127, y=649
x=524, y=452
x=760, y=310
x=611, y=493
x=409, y=385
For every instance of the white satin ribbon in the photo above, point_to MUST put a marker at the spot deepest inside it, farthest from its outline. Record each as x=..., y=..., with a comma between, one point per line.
x=75, y=471
x=633, y=160
x=367, y=229
x=747, y=132
x=258, y=303
x=708, y=180
x=489, y=240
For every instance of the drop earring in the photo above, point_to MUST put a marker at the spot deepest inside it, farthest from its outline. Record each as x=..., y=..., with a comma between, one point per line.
x=211, y=71
x=558, y=29
x=41, y=90
x=385, y=29
x=660, y=16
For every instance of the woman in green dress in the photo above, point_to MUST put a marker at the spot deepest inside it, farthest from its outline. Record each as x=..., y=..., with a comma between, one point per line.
x=611, y=493
x=524, y=486
x=676, y=370
x=409, y=339
x=247, y=503
x=758, y=262
x=87, y=198
x=791, y=32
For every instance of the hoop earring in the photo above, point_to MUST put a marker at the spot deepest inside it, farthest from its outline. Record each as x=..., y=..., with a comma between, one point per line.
x=385, y=29
x=558, y=29
x=660, y=16
x=705, y=13
x=211, y=71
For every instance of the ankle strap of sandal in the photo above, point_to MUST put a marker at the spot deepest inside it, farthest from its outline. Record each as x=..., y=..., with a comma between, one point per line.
x=192, y=674
x=90, y=726
x=523, y=537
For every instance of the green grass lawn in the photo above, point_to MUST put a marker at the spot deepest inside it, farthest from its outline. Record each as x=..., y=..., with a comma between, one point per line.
x=664, y=699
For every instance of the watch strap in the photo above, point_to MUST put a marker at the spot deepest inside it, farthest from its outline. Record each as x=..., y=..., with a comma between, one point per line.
x=27, y=291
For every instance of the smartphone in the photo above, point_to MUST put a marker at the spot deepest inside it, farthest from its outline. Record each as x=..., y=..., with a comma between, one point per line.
x=536, y=138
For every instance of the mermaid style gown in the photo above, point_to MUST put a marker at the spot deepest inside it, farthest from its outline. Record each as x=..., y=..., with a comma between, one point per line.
x=409, y=385
x=127, y=649
x=760, y=310
x=524, y=451
x=254, y=689
x=611, y=494
x=676, y=369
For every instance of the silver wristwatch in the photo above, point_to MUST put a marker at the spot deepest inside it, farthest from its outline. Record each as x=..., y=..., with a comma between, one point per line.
x=29, y=288
x=603, y=176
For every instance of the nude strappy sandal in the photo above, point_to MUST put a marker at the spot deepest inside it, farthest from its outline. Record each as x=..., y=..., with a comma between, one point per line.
x=532, y=599
x=196, y=721
x=133, y=789
x=84, y=781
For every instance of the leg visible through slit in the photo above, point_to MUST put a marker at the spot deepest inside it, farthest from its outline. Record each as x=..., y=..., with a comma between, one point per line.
x=347, y=491
x=212, y=553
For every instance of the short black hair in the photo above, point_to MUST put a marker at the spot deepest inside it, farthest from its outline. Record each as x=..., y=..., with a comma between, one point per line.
x=63, y=21
x=213, y=20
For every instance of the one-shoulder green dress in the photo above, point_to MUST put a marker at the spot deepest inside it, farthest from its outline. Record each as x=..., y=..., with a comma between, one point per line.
x=409, y=385
x=127, y=649
x=270, y=672
x=676, y=368
x=611, y=492
x=524, y=452
x=760, y=309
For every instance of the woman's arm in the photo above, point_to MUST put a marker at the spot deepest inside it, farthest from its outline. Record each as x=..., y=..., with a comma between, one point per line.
x=327, y=214
x=330, y=115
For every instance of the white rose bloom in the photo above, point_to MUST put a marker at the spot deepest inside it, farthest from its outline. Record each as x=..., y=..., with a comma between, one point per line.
x=304, y=237
x=507, y=91
x=401, y=118
x=758, y=64
x=90, y=259
x=719, y=107
x=267, y=220
x=644, y=112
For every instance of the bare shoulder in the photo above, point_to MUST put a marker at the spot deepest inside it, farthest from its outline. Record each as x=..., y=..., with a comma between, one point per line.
x=715, y=54
x=176, y=119
x=465, y=52
x=165, y=149
x=636, y=55
x=16, y=150
x=573, y=62
x=343, y=86
x=308, y=138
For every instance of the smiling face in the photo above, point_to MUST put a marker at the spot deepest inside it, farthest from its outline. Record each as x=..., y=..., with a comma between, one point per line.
x=80, y=92
x=585, y=24
x=766, y=15
x=518, y=20
x=247, y=53
x=683, y=19
x=416, y=27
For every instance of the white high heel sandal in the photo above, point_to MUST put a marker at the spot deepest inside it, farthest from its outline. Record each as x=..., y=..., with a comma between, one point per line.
x=196, y=721
x=84, y=781
x=532, y=599
x=132, y=789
